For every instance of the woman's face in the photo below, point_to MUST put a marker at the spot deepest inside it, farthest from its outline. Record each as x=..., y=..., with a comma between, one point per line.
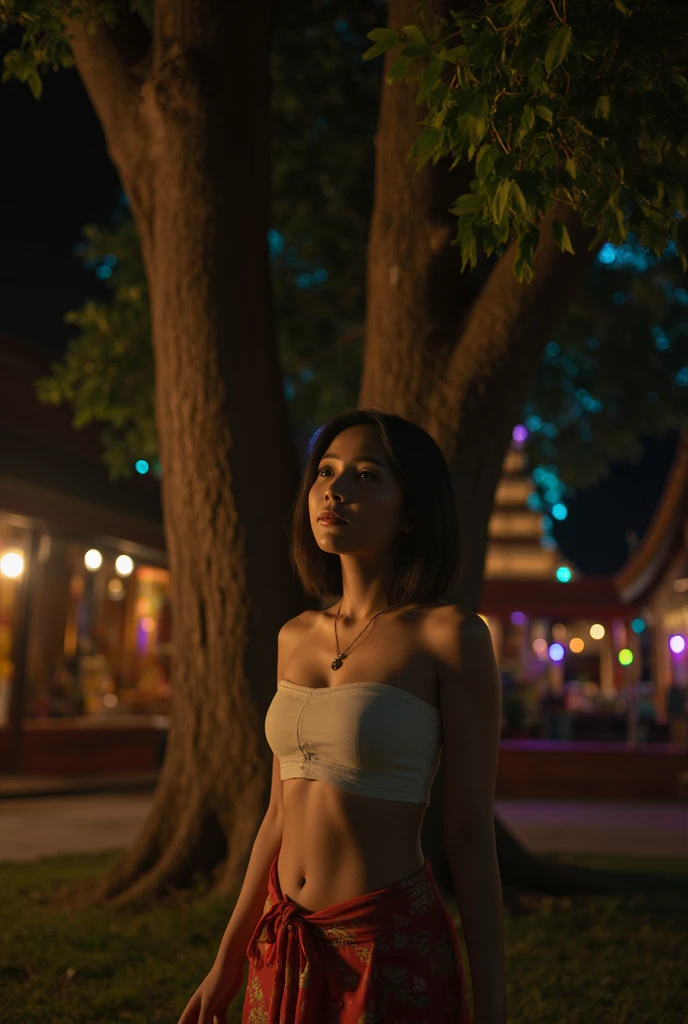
x=356, y=479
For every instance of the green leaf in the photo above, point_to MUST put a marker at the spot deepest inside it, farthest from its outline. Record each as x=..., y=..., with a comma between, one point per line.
x=476, y=130
x=469, y=202
x=384, y=39
x=501, y=200
x=527, y=119
x=518, y=198
x=602, y=108
x=622, y=7
x=523, y=267
x=501, y=231
x=480, y=107
x=544, y=112
x=469, y=252
x=429, y=79
x=570, y=166
x=427, y=143
x=455, y=55
x=399, y=69
x=557, y=48
x=417, y=45
x=35, y=84
x=561, y=237
x=515, y=7
x=485, y=161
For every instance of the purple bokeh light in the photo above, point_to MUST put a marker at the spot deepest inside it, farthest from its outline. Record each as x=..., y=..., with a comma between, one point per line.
x=677, y=643
x=519, y=433
x=556, y=652
x=518, y=618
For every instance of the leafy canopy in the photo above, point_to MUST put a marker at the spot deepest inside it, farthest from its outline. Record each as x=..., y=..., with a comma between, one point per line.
x=584, y=104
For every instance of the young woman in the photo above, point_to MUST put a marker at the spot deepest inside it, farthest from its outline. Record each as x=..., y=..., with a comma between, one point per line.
x=370, y=690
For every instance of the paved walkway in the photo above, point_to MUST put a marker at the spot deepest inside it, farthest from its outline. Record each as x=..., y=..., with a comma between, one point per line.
x=42, y=826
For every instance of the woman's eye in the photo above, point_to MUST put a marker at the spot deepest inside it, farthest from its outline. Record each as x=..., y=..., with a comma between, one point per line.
x=369, y=472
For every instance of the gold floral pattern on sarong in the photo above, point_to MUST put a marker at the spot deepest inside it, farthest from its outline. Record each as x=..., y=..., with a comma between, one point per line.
x=389, y=957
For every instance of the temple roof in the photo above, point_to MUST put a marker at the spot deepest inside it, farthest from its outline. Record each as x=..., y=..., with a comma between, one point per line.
x=663, y=536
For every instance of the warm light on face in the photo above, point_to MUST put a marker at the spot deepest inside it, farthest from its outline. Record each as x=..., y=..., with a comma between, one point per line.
x=12, y=564
x=597, y=631
x=93, y=559
x=576, y=645
x=355, y=478
x=124, y=566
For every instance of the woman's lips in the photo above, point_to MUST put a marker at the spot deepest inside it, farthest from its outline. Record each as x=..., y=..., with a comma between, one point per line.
x=330, y=520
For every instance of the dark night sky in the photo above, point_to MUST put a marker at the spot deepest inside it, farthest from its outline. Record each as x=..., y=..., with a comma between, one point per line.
x=56, y=176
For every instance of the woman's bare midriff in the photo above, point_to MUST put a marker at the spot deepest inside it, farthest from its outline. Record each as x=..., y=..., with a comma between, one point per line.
x=338, y=845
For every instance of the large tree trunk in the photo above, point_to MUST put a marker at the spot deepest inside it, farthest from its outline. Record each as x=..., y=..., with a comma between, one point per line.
x=230, y=469
x=456, y=354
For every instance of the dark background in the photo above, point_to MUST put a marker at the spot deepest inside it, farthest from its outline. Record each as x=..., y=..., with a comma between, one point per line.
x=56, y=176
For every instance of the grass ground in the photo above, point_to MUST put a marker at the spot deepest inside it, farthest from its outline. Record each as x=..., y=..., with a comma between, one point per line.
x=576, y=960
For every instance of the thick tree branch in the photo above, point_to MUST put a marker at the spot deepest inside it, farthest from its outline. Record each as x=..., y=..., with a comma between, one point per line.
x=112, y=64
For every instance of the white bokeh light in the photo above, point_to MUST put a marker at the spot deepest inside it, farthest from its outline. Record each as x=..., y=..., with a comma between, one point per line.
x=124, y=565
x=12, y=564
x=93, y=559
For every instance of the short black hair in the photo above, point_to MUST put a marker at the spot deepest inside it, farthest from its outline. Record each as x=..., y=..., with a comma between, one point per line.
x=429, y=559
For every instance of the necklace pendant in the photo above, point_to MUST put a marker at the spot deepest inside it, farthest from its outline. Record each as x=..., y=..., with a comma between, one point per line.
x=337, y=663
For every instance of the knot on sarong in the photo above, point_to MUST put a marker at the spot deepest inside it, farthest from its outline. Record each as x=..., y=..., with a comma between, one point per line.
x=273, y=930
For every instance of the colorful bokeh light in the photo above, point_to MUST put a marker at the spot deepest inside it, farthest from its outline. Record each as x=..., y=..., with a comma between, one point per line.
x=519, y=433
x=677, y=643
x=556, y=652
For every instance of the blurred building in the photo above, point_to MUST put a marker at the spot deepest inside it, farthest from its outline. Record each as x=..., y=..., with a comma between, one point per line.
x=655, y=579
x=588, y=645
x=85, y=638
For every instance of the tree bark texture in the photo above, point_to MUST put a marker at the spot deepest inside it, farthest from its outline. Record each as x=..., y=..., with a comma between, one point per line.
x=454, y=353
x=192, y=150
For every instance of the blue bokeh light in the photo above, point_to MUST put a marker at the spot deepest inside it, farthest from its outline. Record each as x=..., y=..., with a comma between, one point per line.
x=556, y=652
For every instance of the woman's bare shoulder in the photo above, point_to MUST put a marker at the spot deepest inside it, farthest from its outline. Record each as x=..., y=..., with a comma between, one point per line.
x=443, y=612
x=303, y=621
x=444, y=623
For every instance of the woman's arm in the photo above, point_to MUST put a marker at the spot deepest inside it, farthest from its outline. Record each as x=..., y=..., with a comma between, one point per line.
x=478, y=890
x=251, y=899
x=470, y=699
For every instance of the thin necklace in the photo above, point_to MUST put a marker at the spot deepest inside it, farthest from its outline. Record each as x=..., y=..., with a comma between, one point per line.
x=337, y=663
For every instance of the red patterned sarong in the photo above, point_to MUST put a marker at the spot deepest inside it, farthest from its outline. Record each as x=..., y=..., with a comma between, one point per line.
x=388, y=957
